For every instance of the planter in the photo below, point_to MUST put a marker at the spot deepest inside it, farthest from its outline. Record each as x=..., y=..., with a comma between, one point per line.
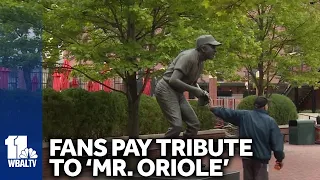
x=284, y=129
x=317, y=135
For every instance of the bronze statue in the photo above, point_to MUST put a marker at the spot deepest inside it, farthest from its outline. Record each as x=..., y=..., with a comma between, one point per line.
x=182, y=75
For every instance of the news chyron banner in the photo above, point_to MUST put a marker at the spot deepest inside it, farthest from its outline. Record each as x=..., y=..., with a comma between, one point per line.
x=20, y=93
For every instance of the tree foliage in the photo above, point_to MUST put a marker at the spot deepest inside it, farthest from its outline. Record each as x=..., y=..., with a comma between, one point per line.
x=285, y=33
x=20, y=37
x=133, y=36
x=123, y=37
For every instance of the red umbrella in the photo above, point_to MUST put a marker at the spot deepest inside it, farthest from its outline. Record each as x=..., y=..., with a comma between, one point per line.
x=4, y=78
x=62, y=81
x=107, y=82
x=35, y=83
x=56, y=81
x=96, y=86
x=66, y=73
x=147, y=88
x=67, y=67
x=90, y=86
x=75, y=83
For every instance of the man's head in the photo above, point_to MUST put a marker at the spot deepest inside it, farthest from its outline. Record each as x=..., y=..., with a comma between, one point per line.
x=261, y=103
x=206, y=44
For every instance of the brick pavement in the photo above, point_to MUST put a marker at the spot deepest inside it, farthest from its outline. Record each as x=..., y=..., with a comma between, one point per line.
x=301, y=163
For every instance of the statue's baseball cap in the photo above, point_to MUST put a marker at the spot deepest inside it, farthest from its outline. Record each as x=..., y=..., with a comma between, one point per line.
x=206, y=39
x=260, y=102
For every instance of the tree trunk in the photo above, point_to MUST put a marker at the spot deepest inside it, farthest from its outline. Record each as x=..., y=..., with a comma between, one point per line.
x=133, y=117
x=260, y=88
x=132, y=95
x=133, y=108
x=50, y=78
x=27, y=78
x=260, y=85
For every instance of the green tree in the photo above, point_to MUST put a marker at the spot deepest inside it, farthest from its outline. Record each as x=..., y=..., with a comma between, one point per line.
x=286, y=34
x=20, y=37
x=131, y=37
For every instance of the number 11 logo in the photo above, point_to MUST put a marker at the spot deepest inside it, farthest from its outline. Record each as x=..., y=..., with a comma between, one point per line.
x=15, y=145
x=18, y=153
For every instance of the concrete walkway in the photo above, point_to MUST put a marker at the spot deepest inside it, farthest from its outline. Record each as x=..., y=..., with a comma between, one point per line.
x=301, y=163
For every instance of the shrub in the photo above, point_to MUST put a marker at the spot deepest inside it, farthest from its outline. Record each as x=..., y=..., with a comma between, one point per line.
x=281, y=108
x=22, y=106
x=152, y=120
x=206, y=118
x=76, y=113
x=117, y=113
x=22, y=98
x=57, y=112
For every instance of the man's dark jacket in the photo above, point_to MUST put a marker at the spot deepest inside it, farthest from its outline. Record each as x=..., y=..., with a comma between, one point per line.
x=258, y=126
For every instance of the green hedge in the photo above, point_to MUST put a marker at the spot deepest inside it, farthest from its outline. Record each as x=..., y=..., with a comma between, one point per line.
x=281, y=108
x=20, y=104
x=77, y=113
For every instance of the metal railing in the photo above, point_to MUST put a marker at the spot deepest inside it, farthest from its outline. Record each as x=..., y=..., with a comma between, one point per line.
x=228, y=102
x=43, y=79
x=15, y=79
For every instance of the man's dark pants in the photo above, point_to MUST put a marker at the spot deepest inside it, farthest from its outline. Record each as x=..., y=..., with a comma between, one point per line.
x=254, y=170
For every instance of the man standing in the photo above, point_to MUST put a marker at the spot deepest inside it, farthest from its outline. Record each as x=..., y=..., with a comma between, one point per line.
x=265, y=134
x=182, y=75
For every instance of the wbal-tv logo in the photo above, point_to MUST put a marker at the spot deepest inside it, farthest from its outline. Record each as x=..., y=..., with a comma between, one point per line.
x=18, y=153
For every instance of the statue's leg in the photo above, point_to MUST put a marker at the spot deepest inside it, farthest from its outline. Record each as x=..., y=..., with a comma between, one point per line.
x=190, y=118
x=168, y=101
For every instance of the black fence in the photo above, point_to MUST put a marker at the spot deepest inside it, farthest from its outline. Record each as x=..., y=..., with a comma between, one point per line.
x=12, y=79
x=43, y=79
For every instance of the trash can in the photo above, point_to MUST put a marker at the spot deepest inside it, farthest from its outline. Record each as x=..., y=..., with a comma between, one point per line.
x=317, y=130
x=301, y=132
